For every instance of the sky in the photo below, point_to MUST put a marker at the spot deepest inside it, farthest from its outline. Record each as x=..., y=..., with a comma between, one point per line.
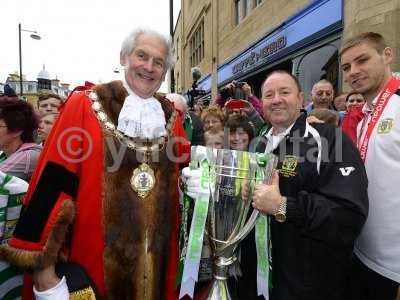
x=80, y=40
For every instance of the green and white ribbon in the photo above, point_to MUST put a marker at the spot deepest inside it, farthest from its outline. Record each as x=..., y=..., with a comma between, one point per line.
x=262, y=230
x=195, y=244
x=262, y=237
x=185, y=201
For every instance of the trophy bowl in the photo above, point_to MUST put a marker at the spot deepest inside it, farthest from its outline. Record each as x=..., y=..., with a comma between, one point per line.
x=234, y=175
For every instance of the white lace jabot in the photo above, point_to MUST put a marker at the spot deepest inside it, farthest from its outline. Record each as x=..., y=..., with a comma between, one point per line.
x=141, y=118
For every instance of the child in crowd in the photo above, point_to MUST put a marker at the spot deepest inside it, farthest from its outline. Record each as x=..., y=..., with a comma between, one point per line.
x=48, y=103
x=326, y=115
x=214, y=138
x=45, y=125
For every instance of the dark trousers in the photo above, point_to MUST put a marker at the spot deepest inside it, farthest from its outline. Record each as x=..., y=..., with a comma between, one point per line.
x=365, y=284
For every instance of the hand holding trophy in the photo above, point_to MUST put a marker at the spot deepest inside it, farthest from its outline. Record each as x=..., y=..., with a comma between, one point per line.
x=226, y=191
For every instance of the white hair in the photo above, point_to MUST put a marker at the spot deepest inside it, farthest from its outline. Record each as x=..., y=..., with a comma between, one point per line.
x=322, y=81
x=130, y=43
x=179, y=101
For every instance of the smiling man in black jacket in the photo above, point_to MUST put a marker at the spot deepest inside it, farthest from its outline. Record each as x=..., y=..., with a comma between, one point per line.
x=317, y=201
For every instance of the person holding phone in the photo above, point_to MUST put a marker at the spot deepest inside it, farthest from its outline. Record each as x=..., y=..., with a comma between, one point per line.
x=238, y=90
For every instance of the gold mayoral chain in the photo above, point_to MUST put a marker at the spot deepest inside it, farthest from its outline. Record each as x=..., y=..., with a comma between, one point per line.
x=142, y=179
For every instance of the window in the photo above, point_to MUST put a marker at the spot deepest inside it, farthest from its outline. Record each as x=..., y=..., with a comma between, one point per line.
x=249, y=6
x=237, y=12
x=177, y=49
x=321, y=63
x=240, y=10
x=177, y=85
x=243, y=8
x=197, y=45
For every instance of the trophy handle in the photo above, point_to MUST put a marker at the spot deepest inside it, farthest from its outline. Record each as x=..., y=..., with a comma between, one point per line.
x=251, y=222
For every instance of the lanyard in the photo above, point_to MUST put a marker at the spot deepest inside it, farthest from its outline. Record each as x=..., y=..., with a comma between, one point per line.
x=383, y=99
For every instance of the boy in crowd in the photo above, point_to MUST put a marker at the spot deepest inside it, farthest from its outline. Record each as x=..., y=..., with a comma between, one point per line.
x=48, y=103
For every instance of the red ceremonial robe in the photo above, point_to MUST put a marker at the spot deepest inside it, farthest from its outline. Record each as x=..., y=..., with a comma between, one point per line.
x=80, y=201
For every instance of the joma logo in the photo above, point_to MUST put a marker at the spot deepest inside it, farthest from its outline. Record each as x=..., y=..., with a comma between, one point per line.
x=346, y=171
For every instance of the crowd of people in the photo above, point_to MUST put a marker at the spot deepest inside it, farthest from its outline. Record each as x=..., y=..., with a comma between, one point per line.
x=102, y=214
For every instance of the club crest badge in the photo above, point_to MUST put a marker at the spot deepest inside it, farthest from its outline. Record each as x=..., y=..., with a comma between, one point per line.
x=289, y=166
x=385, y=126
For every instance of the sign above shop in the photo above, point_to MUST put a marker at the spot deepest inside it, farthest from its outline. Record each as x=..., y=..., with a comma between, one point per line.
x=320, y=19
x=258, y=56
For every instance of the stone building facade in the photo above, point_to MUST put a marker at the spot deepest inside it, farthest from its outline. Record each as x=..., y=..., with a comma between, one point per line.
x=31, y=88
x=246, y=39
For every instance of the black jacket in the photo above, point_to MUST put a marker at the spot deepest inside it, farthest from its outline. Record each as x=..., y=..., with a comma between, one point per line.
x=326, y=210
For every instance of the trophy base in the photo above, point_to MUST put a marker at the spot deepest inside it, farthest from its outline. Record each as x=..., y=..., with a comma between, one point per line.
x=219, y=290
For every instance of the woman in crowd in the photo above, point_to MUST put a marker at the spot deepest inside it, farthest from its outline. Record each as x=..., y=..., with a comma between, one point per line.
x=354, y=114
x=241, y=132
x=238, y=90
x=19, y=154
x=354, y=98
x=212, y=117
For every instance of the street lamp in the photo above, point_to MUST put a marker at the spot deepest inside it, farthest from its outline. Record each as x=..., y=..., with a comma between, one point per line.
x=34, y=35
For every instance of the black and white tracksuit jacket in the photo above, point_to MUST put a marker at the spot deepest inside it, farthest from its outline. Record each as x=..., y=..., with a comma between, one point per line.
x=325, y=183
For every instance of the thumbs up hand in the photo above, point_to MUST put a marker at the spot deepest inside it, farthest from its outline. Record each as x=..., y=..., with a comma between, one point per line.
x=267, y=197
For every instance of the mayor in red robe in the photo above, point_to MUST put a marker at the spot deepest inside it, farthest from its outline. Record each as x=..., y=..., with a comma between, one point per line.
x=82, y=206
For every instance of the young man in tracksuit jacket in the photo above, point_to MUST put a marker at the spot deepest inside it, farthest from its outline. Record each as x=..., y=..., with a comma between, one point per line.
x=318, y=201
x=365, y=61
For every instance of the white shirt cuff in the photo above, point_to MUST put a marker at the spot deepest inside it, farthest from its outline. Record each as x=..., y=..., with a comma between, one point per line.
x=58, y=292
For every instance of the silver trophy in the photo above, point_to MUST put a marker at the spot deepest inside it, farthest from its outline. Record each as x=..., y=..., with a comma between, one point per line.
x=233, y=178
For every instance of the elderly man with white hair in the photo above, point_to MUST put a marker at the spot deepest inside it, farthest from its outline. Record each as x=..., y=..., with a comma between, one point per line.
x=322, y=94
x=191, y=122
x=104, y=194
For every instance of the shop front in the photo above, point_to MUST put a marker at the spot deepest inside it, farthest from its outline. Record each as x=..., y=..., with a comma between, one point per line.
x=306, y=45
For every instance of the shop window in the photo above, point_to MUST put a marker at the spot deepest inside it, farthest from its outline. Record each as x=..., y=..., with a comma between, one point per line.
x=317, y=64
x=197, y=45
